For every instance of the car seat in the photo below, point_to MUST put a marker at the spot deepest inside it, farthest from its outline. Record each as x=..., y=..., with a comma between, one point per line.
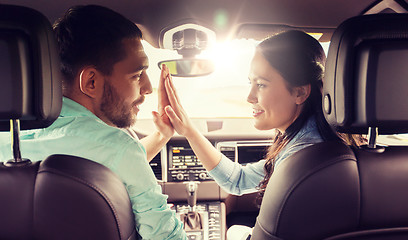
x=61, y=197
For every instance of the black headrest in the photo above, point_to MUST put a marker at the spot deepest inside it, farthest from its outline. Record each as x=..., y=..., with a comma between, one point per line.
x=366, y=78
x=30, y=82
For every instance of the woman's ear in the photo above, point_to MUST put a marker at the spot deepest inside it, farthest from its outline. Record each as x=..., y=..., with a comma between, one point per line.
x=302, y=93
x=90, y=82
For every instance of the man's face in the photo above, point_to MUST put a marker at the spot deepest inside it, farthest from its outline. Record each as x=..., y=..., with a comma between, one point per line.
x=126, y=87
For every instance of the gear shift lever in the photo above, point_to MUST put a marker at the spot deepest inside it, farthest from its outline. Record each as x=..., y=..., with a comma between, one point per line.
x=192, y=188
x=192, y=219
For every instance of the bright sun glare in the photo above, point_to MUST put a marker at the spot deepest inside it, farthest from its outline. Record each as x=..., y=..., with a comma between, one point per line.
x=221, y=94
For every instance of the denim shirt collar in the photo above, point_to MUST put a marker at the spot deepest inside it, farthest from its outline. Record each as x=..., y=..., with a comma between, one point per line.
x=309, y=129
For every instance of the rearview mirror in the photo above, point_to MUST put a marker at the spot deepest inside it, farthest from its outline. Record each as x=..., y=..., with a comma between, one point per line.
x=189, y=67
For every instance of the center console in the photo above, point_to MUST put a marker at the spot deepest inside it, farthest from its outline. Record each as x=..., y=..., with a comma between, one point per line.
x=211, y=220
x=195, y=197
x=193, y=194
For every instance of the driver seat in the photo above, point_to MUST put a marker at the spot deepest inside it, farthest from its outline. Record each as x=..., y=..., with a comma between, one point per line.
x=61, y=197
x=331, y=191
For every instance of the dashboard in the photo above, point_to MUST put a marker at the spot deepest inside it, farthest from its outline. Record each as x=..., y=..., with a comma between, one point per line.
x=177, y=163
x=176, y=167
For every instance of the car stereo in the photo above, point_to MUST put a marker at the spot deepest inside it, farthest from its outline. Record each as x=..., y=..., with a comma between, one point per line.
x=184, y=165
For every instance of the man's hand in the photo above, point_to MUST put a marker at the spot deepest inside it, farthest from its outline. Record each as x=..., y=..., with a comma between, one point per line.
x=165, y=129
x=162, y=94
x=175, y=111
x=160, y=118
x=203, y=149
x=154, y=142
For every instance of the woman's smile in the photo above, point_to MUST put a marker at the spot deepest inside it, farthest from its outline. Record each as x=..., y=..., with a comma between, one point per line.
x=257, y=112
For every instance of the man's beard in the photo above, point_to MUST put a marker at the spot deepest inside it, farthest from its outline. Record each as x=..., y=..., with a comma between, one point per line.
x=115, y=109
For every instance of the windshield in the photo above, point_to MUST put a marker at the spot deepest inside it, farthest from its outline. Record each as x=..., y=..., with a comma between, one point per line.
x=221, y=94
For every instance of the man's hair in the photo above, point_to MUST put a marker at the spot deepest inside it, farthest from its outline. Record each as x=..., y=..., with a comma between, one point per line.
x=91, y=36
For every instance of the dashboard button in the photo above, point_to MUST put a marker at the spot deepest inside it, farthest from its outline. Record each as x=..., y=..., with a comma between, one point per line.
x=180, y=176
x=202, y=175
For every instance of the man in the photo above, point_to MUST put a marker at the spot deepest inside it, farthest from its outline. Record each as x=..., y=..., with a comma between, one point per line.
x=104, y=82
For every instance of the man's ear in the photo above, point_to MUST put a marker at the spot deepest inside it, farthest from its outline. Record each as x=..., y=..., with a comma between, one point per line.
x=301, y=93
x=91, y=82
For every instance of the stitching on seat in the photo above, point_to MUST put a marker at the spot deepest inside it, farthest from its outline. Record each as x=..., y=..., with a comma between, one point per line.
x=263, y=229
x=359, y=194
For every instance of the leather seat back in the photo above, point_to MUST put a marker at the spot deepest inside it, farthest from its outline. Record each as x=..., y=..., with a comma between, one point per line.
x=311, y=195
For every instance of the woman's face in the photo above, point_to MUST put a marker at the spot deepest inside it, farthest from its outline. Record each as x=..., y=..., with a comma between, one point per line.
x=274, y=106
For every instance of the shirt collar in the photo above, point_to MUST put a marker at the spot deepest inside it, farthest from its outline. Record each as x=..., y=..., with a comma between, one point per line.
x=70, y=108
x=310, y=127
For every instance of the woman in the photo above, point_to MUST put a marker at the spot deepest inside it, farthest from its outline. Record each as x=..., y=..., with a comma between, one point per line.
x=286, y=79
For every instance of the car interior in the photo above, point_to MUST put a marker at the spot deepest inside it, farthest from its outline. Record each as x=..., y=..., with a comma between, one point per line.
x=326, y=191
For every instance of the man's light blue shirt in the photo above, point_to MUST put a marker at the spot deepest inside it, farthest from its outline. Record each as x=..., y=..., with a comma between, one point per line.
x=237, y=179
x=79, y=132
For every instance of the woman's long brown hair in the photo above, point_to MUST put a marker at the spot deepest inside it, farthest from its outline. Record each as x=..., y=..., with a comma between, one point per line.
x=299, y=59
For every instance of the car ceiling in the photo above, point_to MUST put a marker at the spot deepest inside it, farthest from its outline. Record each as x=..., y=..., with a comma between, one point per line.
x=242, y=17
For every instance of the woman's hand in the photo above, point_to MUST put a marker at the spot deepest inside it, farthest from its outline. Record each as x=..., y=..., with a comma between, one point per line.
x=175, y=112
x=203, y=149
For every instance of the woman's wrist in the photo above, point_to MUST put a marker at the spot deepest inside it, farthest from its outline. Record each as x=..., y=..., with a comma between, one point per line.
x=191, y=133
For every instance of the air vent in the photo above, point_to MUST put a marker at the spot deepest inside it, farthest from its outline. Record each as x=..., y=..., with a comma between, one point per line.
x=155, y=164
x=229, y=152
